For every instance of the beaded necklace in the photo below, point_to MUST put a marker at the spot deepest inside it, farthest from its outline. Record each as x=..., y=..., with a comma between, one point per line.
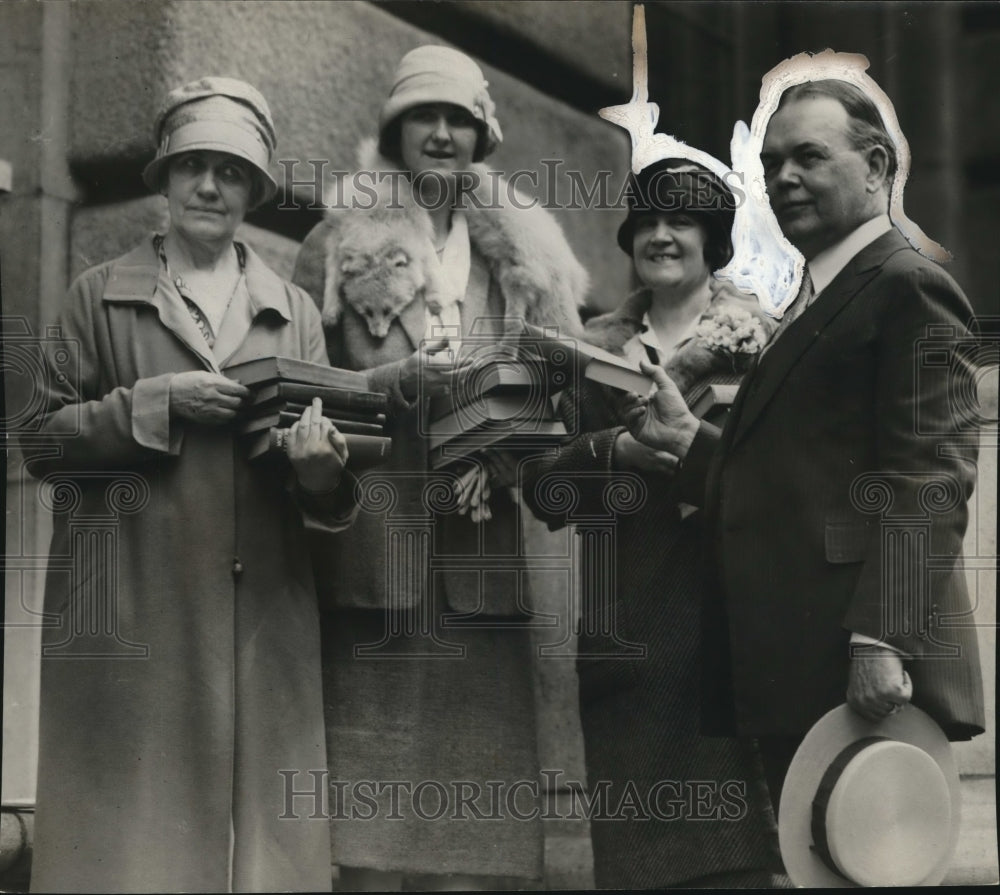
x=199, y=317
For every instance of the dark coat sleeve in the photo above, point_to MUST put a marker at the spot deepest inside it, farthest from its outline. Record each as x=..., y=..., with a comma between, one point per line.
x=926, y=450
x=573, y=478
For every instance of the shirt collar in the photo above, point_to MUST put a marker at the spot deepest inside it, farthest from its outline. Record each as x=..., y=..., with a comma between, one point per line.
x=134, y=278
x=828, y=263
x=647, y=337
x=456, y=260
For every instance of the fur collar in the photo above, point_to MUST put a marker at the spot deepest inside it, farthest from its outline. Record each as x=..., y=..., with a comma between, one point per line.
x=693, y=361
x=527, y=253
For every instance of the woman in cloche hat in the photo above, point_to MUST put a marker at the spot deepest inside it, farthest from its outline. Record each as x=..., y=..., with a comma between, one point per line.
x=180, y=673
x=447, y=253
x=680, y=808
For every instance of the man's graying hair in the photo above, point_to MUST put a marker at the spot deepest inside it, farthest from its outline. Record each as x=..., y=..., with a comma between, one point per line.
x=866, y=126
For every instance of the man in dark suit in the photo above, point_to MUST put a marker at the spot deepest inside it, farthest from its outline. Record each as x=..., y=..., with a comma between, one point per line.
x=836, y=493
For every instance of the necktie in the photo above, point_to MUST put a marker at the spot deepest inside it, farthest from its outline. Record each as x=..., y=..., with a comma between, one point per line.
x=792, y=312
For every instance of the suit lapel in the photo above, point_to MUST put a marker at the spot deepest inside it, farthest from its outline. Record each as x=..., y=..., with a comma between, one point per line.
x=773, y=368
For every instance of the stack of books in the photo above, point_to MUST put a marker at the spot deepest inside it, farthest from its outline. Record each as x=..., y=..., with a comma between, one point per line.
x=512, y=400
x=497, y=401
x=281, y=388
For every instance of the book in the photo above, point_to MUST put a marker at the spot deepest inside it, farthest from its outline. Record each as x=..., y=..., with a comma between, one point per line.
x=521, y=428
x=302, y=393
x=334, y=413
x=363, y=451
x=284, y=419
x=487, y=379
x=467, y=444
x=271, y=369
x=566, y=359
x=713, y=401
x=495, y=409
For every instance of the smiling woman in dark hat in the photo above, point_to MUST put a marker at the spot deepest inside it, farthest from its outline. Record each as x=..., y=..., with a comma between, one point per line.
x=703, y=818
x=163, y=740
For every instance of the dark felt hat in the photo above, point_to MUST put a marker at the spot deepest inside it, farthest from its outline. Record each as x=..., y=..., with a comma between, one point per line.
x=678, y=184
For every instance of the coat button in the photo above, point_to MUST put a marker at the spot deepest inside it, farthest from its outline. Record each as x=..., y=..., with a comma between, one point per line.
x=237, y=568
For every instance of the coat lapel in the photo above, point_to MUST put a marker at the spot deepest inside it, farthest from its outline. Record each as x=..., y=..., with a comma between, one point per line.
x=135, y=279
x=262, y=291
x=766, y=378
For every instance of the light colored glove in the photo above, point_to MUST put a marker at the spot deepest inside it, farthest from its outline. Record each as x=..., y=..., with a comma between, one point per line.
x=472, y=491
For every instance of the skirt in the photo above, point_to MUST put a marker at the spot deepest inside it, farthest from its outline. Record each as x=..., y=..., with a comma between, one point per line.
x=432, y=747
x=669, y=805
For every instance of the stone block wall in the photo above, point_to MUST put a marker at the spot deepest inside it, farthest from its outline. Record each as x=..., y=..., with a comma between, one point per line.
x=325, y=69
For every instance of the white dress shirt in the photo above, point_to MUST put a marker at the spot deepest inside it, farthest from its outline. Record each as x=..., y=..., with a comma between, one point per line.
x=646, y=343
x=828, y=263
x=454, y=265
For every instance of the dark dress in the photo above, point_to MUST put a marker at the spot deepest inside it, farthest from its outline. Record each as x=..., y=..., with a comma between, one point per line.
x=668, y=805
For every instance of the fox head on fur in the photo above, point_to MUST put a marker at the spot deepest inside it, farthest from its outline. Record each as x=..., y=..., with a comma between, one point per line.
x=382, y=266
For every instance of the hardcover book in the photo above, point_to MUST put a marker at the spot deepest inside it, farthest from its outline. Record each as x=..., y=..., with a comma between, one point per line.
x=568, y=358
x=711, y=403
x=290, y=369
x=302, y=393
x=284, y=419
x=363, y=451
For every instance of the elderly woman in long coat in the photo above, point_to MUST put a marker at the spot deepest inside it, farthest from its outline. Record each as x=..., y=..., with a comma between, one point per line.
x=180, y=681
x=443, y=253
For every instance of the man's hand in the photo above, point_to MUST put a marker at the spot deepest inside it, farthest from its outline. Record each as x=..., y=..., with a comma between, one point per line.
x=662, y=421
x=877, y=684
x=207, y=398
x=316, y=450
x=632, y=454
x=433, y=364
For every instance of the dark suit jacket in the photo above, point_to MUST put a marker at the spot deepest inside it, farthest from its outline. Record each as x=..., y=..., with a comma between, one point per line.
x=836, y=499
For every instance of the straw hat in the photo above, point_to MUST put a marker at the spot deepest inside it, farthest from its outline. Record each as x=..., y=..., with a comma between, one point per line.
x=870, y=804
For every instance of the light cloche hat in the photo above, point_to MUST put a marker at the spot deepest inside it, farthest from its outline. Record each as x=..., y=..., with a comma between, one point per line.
x=433, y=74
x=224, y=114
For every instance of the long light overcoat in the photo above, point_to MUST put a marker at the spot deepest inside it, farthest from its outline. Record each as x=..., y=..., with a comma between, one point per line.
x=180, y=679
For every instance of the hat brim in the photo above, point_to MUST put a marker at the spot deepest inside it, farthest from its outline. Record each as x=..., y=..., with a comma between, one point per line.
x=153, y=173
x=836, y=730
x=395, y=106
